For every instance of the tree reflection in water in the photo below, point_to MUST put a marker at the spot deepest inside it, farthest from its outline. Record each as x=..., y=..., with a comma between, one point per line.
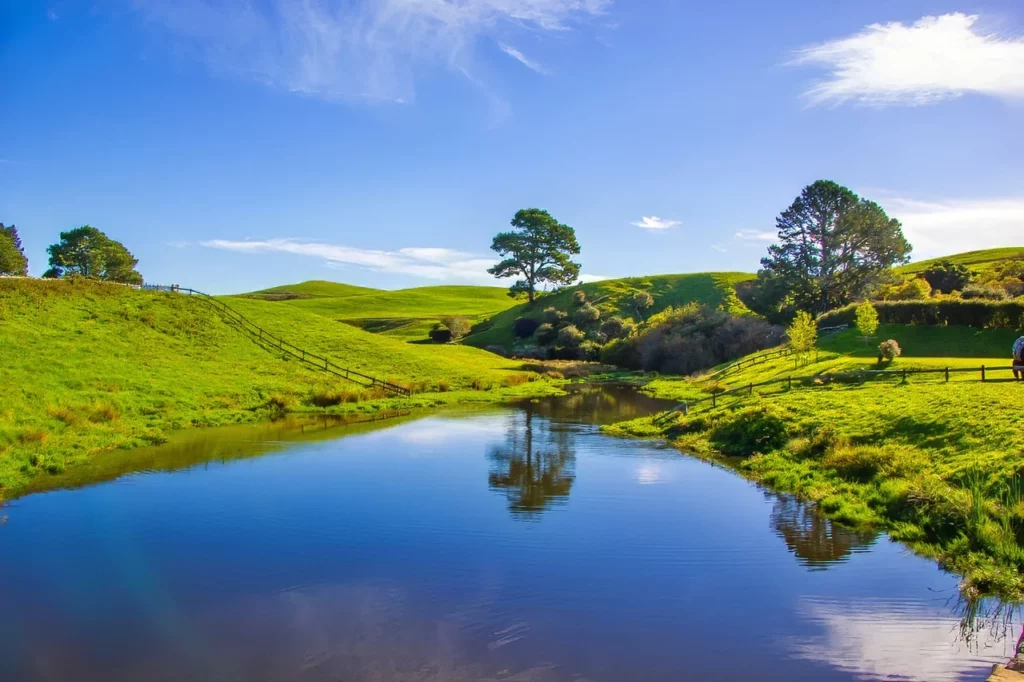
x=814, y=539
x=536, y=465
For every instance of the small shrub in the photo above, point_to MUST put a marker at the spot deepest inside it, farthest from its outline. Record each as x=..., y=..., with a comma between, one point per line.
x=63, y=413
x=889, y=350
x=30, y=435
x=103, y=412
x=479, y=384
x=440, y=334
x=586, y=315
x=458, y=326
x=613, y=327
x=579, y=297
x=821, y=441
x=642, y=301
x=570, y=336
x=753, y=430
x=279, y=402
x=545, y=334
x=553, y=316
x=517, y=379
x=443, y=386
x=524, y=327
x=554, y=374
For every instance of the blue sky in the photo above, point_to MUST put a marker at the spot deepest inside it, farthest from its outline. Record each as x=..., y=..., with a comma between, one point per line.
x=234, y=145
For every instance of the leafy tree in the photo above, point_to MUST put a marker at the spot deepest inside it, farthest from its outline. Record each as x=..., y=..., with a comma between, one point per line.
x=458, y=326
x=538, y=250
x=586, y=315
x=579, y=297
x=642, y=301
x=803, y=333
x=946, y=276
x=833, y=246
x=613, y=327
x=12, y=254
x=867, y=319
x=87, y=252
x=914, y=289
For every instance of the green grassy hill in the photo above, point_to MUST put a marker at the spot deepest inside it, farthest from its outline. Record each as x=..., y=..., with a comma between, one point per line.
x=406, y=314
x=90, y=366
x=974, y=260
x=937, y=464
x=316, y=288
x=611, y=296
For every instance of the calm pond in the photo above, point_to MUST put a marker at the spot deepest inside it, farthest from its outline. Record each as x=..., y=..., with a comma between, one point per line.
x=515, y=543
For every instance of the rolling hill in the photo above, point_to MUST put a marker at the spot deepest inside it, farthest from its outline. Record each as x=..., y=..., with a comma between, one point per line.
x=406, y=314
x=611, y=296
x=974, y=260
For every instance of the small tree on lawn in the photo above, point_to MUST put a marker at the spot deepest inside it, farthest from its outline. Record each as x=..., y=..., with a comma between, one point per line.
x=458, y=326
x=642, y=301
x=867, y=320
x=803, y=334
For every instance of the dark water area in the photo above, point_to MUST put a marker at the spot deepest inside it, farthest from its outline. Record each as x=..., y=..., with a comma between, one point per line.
x=514, y=543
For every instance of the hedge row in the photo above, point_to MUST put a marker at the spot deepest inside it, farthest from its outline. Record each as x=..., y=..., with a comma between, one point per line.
x=972, y=313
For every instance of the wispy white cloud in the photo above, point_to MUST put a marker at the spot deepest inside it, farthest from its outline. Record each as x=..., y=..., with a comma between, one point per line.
x=653, y=222
x=937, y=228
x=371, y=49
x=426, y=262
x=719, y=248
x=756, y=236
x=933, y=59
x=522, y=59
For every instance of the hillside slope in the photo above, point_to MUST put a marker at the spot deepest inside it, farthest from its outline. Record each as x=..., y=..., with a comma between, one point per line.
x=978, y=261
x=612, y=296
x=315, y=288
x=89, y=366
x=406, y=314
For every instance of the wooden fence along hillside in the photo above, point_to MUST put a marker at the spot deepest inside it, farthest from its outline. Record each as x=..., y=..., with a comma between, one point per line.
x=981, y=373
x=263, y=337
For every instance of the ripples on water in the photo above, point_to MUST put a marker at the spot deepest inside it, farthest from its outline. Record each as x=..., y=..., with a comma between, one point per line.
x=512, y=544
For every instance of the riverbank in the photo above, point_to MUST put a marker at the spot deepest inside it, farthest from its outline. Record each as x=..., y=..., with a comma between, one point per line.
x=89, y=367
x=937, y=465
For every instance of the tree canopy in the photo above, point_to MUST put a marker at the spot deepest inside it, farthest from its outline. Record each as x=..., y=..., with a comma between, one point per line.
x=87, y=252
x=833, y=246
x=12, y=255
x=538, y=250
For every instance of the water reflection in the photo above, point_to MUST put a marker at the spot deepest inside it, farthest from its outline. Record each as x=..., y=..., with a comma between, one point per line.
x=814, y=539
x=536, y=465
x=600, y=404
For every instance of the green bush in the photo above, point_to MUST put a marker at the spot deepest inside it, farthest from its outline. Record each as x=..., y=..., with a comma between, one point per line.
x=989, y=293
x=586, y=315
x=570, y=336
x=613, y=327
x=545, y=334
x=440, y=334
x=753, y=430
x=553, y=315
x=889, y=350
x=579, y=297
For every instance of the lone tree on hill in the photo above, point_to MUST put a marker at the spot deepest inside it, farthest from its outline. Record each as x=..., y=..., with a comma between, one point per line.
x=833, y=246
x=538, y=250
x=642, y=301
x=87, y=252
x=803, y=333
x=12, y=255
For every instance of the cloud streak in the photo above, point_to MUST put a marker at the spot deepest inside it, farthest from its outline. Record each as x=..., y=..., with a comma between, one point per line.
x=522, y=59
x=425, y=262
x=340, y=49
x=759, y=236
x=933, y=59
x=655, y=223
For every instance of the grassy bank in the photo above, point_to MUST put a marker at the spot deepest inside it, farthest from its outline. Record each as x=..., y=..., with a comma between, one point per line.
x=90, y=367
x=937, y=465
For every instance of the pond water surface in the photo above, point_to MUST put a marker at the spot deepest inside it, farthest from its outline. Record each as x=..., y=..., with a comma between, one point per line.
x=515, y=543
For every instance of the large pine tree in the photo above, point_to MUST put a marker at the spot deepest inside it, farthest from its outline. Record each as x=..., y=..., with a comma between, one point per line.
x=833, y=246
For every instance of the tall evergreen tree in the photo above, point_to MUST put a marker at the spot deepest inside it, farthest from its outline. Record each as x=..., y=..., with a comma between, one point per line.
x=12, y=254
x=833, y=246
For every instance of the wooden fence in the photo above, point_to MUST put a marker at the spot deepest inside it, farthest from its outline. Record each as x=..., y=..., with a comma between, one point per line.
x=261, y=335
x=982, y=373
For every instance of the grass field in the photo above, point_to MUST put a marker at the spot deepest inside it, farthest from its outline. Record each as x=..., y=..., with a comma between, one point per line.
x=978, y=261
x=406, y=314
x=89, y=367
x=612, y=296
x=938, y=465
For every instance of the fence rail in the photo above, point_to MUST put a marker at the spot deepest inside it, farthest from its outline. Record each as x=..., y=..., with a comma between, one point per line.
x=263, y=336
x=857, y=376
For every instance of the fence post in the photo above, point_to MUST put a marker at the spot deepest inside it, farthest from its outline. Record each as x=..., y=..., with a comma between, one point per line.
x=904, y=375
x=790, y=383
x=947, y=375
x=714, y=401
x=750, y=391
x=983, y=372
